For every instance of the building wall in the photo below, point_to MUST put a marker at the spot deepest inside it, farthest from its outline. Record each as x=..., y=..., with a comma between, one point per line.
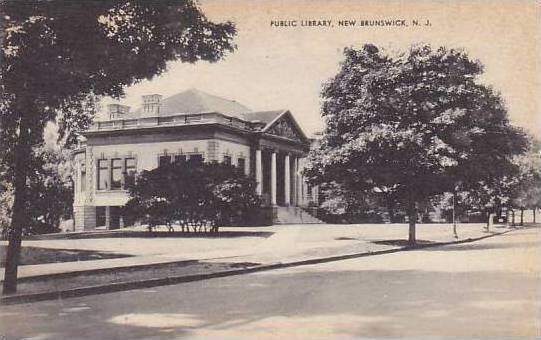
x=92, y=207
x=146, y=158
x=235, y=151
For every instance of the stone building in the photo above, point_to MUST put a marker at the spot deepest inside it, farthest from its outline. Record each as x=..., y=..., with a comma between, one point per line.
x=269, y=145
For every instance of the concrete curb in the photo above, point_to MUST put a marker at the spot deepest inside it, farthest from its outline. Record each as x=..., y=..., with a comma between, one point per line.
x=154, y=282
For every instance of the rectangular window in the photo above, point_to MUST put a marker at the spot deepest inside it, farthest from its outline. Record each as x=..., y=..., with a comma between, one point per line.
x=227, y=160
x=103, y=175
x=116, y=174
x=82, y=187
x=180, y=158
x=241, y=164
x=196, y=158
x=114, y=217
x=100, y=216
x=129, y=175
x=164, y=160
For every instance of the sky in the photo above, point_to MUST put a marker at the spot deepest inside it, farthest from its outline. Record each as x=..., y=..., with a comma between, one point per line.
x=285, y=67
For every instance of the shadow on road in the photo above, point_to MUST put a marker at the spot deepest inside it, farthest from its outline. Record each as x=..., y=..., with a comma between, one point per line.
x=354, y=303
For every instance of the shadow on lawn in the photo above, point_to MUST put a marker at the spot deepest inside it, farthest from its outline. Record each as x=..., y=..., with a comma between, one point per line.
x=35, y=255
x=147, y=234
x=403, y=243
x=481, y=246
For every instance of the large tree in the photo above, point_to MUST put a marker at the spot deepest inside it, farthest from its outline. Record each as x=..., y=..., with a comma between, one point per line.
x=412, y=125
x=56, y=53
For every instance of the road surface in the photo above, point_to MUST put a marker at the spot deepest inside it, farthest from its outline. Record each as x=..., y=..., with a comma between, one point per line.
x=486, y=288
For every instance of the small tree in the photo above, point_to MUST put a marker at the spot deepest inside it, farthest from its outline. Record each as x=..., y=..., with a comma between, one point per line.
x=201, y=196
x=527, y=191
x=414, y=125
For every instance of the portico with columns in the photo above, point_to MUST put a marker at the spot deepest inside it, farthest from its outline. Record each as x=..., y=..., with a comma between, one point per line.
x=279, y=151
x=278, y=177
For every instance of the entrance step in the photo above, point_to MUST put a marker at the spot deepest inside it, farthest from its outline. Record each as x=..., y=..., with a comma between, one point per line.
x=294, y=215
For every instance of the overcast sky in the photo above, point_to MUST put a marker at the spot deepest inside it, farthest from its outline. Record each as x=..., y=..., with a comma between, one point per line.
x=278, y=68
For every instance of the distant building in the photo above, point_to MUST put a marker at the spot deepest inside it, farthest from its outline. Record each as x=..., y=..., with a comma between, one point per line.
x=191, y=125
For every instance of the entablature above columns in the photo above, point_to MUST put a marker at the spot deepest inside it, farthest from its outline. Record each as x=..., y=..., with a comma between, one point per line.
x=294, y=150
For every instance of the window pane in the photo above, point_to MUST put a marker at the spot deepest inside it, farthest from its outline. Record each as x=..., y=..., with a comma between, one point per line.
x=114, y=217
x=130, y=172
x=241, y=163
x=180, y=158
x=130, y=163
x=82, y=186
x=103, y=176
x=116, y=174
x=100, y=216
x=164, y=160
x=196, y=158
x=83, y=181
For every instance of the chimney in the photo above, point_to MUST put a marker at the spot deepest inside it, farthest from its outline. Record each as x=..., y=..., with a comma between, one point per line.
x=151, y=104
x=117, y=111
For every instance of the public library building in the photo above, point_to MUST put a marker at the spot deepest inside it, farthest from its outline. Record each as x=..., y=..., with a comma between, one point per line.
x=191, y=125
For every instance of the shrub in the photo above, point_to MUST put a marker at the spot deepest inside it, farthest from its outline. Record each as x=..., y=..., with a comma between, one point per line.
x=203, y=196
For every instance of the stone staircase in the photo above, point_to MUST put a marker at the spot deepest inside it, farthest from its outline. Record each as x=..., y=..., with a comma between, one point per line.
x=294, y=215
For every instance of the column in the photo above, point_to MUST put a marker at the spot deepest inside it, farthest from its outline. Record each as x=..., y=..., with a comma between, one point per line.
x=304, y=191
x=273, y=178
x=258, y=172
x=295, y=198
x=300, y=189
x=287, y=181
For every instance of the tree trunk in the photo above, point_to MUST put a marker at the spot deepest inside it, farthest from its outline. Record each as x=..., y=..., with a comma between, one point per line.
x=534, y=209
x=392, y=218
x=412, y=217
x=513, y=217
x=521, y=216
x=22, y=152
x=454, y=217
x=391, y=204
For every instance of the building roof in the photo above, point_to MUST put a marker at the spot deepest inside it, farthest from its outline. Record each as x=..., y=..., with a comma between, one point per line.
x=196, y=101
x=262, y=116
x=195, y=107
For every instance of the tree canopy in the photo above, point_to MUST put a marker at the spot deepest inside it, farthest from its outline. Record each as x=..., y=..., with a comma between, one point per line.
x=412, y=125
x=58, y=54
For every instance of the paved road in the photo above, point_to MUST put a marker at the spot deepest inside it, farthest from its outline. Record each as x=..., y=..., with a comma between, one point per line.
x=487, y=288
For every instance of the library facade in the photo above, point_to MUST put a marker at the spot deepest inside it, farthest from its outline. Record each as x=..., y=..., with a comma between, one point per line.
x=191, y=125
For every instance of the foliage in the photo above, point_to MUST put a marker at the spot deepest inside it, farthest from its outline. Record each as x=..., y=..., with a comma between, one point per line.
x=197, y=195
x=50, y=197
x=527, y=192
x=57, y=55
x=92, y=48
x=6, y=203
x=344, y=206
x=412, y=126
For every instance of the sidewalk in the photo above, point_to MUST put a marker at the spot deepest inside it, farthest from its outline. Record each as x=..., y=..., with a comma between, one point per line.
x=292, y=242
x=289, y=245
